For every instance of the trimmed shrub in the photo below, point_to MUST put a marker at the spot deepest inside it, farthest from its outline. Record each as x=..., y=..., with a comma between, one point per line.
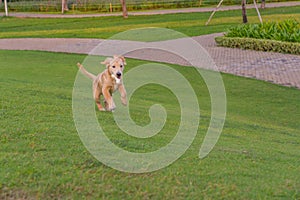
x=259, y=44
x=288, y=31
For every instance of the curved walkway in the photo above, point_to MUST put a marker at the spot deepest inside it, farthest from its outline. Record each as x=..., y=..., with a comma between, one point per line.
x=283, y=69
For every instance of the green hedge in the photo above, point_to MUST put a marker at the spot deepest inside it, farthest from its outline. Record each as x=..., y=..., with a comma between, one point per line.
x=259, y=44
x=287, y=31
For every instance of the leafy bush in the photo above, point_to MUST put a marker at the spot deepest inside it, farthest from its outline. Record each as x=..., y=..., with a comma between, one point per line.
x=288, y=31
x=259, y=44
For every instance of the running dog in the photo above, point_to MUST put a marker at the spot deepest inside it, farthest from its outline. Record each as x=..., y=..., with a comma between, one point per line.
x=108, y=82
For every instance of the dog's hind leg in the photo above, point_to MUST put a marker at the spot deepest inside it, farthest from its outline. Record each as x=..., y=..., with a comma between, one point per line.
x=106, y=105
x=98, y=103
x=97, y=95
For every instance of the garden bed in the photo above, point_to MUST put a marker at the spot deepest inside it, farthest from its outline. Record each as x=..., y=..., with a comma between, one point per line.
x=283, y=37
x=259, y=44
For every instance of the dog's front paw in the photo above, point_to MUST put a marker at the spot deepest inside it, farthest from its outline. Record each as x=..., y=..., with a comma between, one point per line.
x=124, y=101
x=110, y=107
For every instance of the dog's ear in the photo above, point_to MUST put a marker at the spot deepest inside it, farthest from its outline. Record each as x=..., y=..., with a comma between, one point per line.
x=123, y=59
x=107, y=61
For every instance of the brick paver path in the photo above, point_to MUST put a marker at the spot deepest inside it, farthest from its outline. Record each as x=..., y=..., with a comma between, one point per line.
x=283, y=69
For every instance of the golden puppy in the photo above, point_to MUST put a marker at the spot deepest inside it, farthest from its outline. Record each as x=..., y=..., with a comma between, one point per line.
x=108, y=82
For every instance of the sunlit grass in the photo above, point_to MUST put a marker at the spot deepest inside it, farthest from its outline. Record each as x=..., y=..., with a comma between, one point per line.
x=191, y=24
x=41, y=155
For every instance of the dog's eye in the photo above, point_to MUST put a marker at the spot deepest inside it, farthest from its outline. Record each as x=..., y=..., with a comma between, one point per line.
x=121, y=66
x=113, y=66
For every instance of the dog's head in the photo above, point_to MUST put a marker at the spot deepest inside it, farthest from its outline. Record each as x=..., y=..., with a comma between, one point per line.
x=115, y=66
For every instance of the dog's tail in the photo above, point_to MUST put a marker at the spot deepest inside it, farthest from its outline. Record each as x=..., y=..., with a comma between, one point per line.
x=83, y=70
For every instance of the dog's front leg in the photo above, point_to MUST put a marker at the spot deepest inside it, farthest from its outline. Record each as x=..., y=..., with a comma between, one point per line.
x=108, y=99
x=123, y=94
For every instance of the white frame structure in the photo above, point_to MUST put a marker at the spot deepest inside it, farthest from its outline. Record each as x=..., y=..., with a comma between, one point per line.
x=218, y=6
x=5, y=6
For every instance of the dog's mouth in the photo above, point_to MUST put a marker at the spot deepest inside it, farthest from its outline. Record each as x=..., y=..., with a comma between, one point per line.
x=117, y=77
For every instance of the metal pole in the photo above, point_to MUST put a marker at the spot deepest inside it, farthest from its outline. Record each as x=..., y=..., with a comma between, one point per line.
x=212, y=14
x=6, y=10
x=62, y=6
x=258, y=13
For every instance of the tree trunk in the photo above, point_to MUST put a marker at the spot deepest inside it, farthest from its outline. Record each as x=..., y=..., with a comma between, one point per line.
x=124, y=9
x=263, y=4
x=245, y=20
x=66, y=5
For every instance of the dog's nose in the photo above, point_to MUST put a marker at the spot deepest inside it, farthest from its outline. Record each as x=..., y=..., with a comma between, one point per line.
x=119, y=74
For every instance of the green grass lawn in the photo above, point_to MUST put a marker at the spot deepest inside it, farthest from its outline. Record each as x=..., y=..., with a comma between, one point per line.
x=191, y=24
x=41, y=155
